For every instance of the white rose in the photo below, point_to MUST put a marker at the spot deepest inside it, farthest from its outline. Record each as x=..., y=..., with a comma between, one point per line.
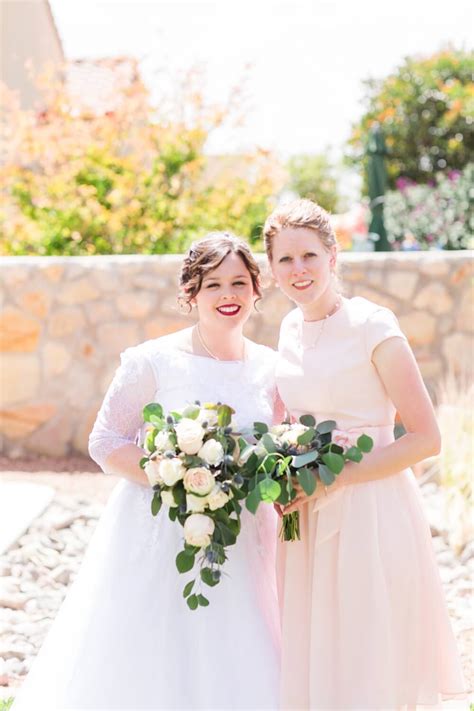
x=291, y=437
x=190, y=435
x=167, y=498
x=278, y=430
x=163, y=442
x=195, y=504
x=198, y=530
x=152, y=470
x=171, y=470
x=212, y=452
x=198, y=480
x=218, y=498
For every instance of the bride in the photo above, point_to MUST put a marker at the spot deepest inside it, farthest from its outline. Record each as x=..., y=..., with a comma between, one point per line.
x=124, y=637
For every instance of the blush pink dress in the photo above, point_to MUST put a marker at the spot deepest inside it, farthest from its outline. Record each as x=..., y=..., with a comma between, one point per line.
x=364, y=621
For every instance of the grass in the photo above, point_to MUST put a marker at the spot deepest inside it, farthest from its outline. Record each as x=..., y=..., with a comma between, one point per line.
x=6, y=703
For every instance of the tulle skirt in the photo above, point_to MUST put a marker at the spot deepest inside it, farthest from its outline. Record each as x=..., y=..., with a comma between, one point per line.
x=364, y=621
x=125, y=638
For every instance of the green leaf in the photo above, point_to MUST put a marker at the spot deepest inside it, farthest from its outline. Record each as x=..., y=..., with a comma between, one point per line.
x=365, y=443
x=325, y=427
x=353, y=454
x=187, y=588
x=307, y=479
x=335, y=462
x=184, y=562
x=307, y=437
x=156, y=503
x=176, y=415
x=153, y=408
x=269, y=490
x=301, y=459
x=192, y=602
x=268, y=463
x=307, y=420
x=143, y=461
x=326, y=475
x=150, y=442
x=253, y=500
x=203, y=601
x=224, y=415
x=206, y=577
x=228, y=537
x=269, y=443
x=191, y=412
x=284, y=496
x=260, y=427
x=172, y=514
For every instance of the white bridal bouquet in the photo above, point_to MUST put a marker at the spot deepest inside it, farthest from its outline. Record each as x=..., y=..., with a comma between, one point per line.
x=192, y=463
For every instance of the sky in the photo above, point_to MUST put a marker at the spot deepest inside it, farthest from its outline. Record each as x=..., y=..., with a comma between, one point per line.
x=308, y=58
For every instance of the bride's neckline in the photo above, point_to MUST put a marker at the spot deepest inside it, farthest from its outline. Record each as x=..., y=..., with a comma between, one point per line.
x=248, y=351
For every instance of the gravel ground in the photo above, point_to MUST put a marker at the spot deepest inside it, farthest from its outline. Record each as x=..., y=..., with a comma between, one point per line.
x=36, y=572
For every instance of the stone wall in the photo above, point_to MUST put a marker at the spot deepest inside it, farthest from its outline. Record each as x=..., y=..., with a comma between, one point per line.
x=64, y=322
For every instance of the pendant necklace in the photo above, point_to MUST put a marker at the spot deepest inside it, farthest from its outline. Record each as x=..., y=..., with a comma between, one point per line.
x=324, y=320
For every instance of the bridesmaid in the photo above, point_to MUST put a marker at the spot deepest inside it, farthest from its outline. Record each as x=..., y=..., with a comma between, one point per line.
x=365, y=625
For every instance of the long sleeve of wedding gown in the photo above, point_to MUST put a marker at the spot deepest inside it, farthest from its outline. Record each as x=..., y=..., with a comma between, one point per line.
x=120, y=416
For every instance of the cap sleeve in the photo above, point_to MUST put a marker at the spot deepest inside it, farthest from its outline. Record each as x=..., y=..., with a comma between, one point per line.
x=380, y=326
x=120, y=416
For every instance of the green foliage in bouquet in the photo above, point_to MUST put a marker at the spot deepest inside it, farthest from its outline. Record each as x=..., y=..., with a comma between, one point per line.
x=192, y=463
x=301, y=453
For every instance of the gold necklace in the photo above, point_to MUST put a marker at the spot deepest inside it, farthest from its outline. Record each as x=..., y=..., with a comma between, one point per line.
x=320, y=333
x=209, y=352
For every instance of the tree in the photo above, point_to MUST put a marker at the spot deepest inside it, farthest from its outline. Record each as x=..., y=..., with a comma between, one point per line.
x=312, y=176
x=425, y=109
x=134, y=177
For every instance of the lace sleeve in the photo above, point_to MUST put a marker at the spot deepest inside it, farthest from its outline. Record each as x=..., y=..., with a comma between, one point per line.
x=120, y=416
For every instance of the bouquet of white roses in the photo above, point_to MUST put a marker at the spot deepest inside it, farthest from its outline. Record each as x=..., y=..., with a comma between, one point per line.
x=192, y=465
x=302, y=452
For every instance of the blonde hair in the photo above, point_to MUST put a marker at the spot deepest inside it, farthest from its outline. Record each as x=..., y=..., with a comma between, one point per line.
x=299, y=213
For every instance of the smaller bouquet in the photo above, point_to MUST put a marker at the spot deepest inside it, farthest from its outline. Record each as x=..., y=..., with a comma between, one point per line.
x=192, y=465
x=302, y=453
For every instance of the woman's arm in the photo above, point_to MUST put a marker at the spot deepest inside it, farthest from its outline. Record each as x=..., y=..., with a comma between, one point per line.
x=398, y=370
x=112, y=440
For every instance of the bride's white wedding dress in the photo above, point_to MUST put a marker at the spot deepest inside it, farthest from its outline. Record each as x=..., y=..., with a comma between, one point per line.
x=124, y=637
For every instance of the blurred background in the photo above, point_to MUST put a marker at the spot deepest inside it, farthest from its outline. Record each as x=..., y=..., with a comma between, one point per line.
x=129, y=129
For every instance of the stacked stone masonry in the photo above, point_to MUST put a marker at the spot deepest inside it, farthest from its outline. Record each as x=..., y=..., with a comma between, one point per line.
x=64, y=322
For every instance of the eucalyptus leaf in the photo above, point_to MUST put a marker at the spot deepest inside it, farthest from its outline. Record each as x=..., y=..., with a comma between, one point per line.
x=307, y=420
x=184, y=561
x=326, y=475
x=253, y=500
x=301, y=459
x=156, y=503
x=187, y=588
x=269, y=490
x=307, y=437
x=191, y=412
x=365, y=443
x=206, y=577
x=353, y=454
x=269, y=443
x=228, y=537
x=307, y=479
x=143, y=461
x=153, y=408
x=325, y=427
x=203, y=601
x=335, y=462
x=260, y=427
x=192, y=602
x=224, y=415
